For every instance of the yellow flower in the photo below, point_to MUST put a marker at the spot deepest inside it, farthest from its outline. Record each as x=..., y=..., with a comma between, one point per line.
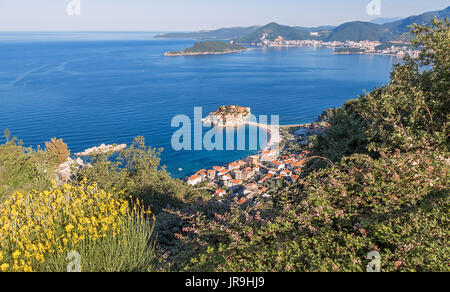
x=49, y=222
x=4, y=267
x=16, y=254
x=69, y=227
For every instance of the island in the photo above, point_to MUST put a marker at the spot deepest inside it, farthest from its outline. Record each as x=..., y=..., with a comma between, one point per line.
x=209, y=48
x=228, y=116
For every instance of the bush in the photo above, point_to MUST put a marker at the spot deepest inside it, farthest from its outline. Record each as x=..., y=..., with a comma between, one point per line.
x=137, y=171
x=24, y=169
x=59, y=148
x=39, y=229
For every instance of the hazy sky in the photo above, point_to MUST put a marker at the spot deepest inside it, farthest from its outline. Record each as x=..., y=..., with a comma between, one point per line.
x=184, y=15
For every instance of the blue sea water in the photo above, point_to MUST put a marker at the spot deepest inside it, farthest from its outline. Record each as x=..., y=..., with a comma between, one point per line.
x=93, y=88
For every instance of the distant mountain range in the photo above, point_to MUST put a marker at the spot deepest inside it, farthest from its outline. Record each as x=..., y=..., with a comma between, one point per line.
x=384, y=20
x=382, y=30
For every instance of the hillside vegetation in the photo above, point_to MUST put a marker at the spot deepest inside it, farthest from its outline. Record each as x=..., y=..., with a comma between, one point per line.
x=209, y=47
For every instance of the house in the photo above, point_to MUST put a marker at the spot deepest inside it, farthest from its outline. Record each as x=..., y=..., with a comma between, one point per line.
x=226, y=177
x=233, y=166
x=194, y=180
x=220, y=193
x=218, y=168
x=265, y=158
x=201, y=173
x=211, y=174
x=253, y=160
x=269, y=153
x=277, y=164
x=234, y=183
x=295, y=178
x=241, y=163
x=250, y=189
x=237, y=174
x=286, y=172
x=248, y=173
x=222, y=172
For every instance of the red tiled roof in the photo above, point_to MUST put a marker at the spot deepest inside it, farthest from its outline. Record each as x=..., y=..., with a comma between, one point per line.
x=194, y=177
x=298, y=163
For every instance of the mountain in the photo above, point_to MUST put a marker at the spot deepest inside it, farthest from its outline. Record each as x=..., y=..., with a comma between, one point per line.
x=221, y=34
x=358, y=31
x=401, y=26
x=272, y=31
x=385, y=20
x=380, y=29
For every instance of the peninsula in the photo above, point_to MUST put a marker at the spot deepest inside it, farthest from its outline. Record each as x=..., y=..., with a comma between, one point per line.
x=209, y=48
x=228, y=116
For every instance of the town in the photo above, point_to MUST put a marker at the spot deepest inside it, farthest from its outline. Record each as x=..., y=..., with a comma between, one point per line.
x=249, y=180
x=394, y=48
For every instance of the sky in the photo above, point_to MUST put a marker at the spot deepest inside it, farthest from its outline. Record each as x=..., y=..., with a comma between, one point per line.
x=191, y=15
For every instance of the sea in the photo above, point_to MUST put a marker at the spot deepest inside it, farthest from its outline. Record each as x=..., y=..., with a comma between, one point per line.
x=91, y=88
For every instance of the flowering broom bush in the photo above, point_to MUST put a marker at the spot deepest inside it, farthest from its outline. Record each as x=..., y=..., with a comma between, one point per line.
x=38, y=230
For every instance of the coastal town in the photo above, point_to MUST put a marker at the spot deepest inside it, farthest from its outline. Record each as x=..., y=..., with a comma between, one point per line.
x=249, y=180
x=394, y=48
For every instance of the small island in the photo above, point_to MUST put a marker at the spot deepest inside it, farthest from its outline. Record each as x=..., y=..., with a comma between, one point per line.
x=228, y=116
x=209, y=48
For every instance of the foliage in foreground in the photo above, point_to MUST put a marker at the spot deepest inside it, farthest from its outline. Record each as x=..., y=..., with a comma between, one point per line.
x=398, y=206
x=39, y=229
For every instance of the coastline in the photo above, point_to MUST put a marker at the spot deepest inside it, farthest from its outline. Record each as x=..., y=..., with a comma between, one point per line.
x=274, y=134
x=275, y=138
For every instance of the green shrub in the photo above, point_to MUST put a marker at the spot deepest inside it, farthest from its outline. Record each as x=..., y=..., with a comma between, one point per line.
x=23, y=169
x=58, y=148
